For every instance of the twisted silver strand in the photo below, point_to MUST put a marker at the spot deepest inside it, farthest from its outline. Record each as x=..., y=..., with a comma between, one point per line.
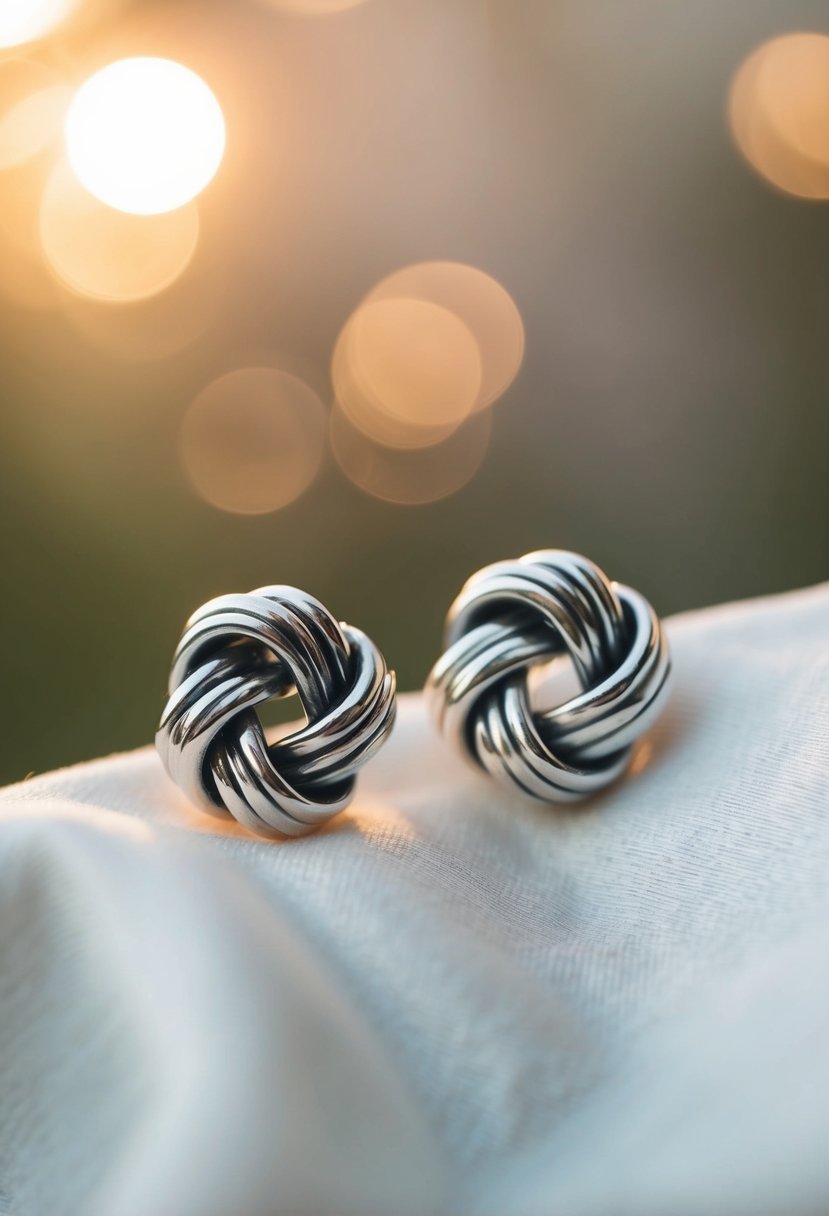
x=238, y=651
x=516, y=615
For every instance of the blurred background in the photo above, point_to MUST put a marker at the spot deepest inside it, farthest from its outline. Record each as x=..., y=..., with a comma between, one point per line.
x=360, y=296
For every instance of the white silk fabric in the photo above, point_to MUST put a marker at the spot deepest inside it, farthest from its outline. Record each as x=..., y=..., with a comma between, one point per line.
x=450, y=1002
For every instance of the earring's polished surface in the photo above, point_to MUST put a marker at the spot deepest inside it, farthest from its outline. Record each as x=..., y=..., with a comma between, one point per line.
x=238, y=651
x=516, y=615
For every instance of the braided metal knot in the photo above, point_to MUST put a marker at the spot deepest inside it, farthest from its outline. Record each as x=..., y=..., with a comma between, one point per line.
x=516, y=615
x=238, y=651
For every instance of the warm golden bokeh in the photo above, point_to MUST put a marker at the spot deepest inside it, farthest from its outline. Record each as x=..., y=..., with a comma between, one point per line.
x=313, y=8
x=145, y=330
x=145, y=135
x=33, y=103
x=25, y=279
x=369, y=416
x=576, y=163
x=27, y=20
x=484, y=306
x=779, y=113
x=106, y=254
x=406, y=372
x=412, y=477
x=253, y=440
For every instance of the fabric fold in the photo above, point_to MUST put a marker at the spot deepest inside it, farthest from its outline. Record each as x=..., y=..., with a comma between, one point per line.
x=448, y=1000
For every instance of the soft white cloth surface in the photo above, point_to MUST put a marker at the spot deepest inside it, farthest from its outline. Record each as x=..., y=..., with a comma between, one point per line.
x=447, y=1002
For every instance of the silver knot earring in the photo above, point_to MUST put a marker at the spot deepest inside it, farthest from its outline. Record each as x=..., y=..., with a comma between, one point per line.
x=516, y=615
x=238, y=651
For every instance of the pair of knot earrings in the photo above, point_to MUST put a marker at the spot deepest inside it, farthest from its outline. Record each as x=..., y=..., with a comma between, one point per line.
x=238, y=651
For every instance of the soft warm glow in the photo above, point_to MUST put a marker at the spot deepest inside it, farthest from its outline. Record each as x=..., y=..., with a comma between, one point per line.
x=407, y=372
x=107, y=254
x=415, y=360
x=428, y=346
x=410, y=477
x=25, y=20
x=367, y=414
x=145, y=135
x=253, y=440
x=32, y=124
x=313, y=8
x=33, y=104
x=484, y=306
x=149, y=329
x=25, y=279
x=779, y=113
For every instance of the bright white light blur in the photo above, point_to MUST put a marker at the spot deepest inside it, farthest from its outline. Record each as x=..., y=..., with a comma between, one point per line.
x=145, y=135
x=25, y=20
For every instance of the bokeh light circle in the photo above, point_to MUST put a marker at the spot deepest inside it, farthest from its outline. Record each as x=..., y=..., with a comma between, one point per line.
x=26, y=20
x=33, y=103
x=407, y=372
x=145, y=135
x=485, y=307
x=368, y=414
x=410, y=477
x=779, y=113
x=253, y=440
x=110, y=255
